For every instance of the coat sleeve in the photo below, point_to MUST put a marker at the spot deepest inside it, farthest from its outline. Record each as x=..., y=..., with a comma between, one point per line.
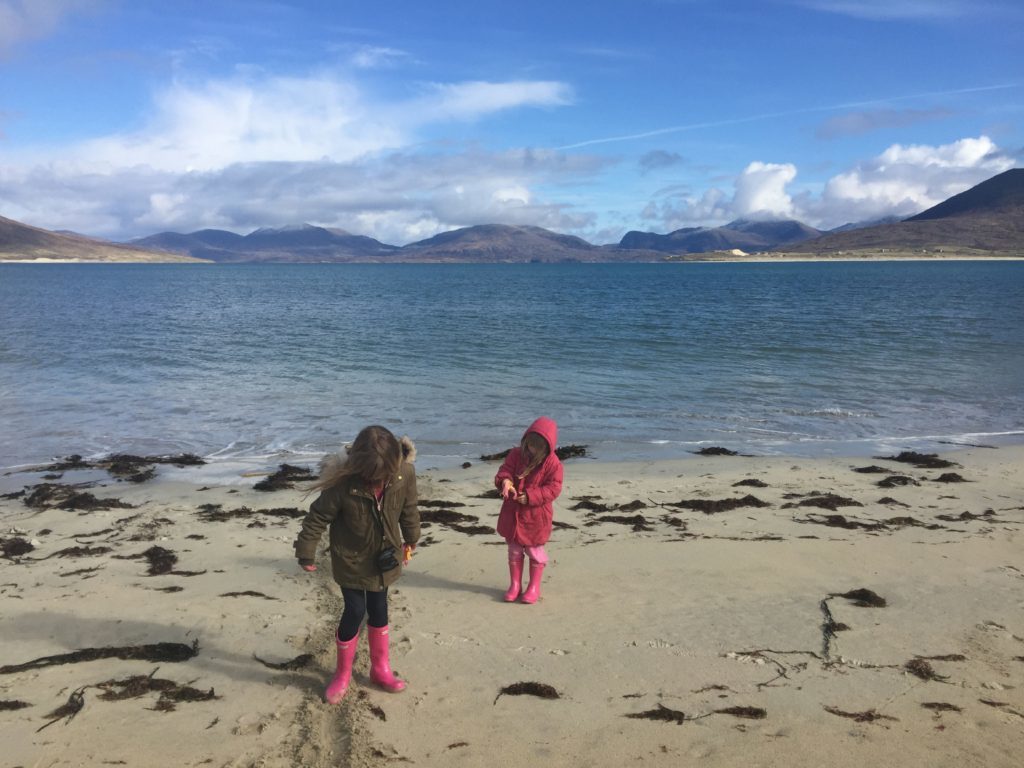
x=507, y=471
x=409, y=517
x=548, y=489
x=321, y=514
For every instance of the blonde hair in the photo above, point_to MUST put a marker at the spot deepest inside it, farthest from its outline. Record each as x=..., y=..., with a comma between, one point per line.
x=536, y=448
x=374, y=457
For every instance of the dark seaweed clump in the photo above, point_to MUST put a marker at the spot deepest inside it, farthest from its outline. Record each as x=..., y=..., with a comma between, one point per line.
x=55, y=495
x=715, y=451
x=564, y=452
x=299, y=662
x=829, y=501
x=496, y=456
x=637, y=522
x=868, y=716
x=951, y=477
x=662, y=713
x=874, y=469
x=713, y=506
x=922, y=669
x=67, y=711
x=752, y=482
x=171, y=693
x=896, y=481
x=10, y=705
x=285, y=478
x=920, y=460
x=540, y=690
x=862, y=598
x=15, y=547
x=162, y=652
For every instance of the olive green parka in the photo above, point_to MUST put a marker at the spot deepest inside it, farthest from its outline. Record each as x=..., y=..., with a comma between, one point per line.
x=349, y=511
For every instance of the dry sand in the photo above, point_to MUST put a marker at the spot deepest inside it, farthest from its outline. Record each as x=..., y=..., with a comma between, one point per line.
x=673, y=612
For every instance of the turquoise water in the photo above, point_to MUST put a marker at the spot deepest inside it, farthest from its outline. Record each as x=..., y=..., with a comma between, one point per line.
x=279, y=362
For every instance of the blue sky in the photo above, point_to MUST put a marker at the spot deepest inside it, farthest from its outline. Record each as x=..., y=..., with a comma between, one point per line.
x=402, y=119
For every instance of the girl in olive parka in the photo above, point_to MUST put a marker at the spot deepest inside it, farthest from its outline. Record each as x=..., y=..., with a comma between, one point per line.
x=368, y=502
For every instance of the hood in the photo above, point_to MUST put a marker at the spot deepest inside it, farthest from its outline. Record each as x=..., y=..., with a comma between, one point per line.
x=547, y=429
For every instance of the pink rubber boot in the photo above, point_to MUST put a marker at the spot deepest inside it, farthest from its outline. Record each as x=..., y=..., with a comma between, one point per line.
x=515, y=572
x=339, y=683
x=380, y=667
x=533, y=588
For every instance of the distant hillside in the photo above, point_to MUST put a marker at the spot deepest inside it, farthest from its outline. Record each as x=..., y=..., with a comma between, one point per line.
x=504, y=243
x=305, y=243
x=988, y=217
x=19, y=242
x=744, y=235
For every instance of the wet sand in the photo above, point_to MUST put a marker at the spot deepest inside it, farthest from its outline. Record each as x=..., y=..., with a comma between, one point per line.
x=682, y=617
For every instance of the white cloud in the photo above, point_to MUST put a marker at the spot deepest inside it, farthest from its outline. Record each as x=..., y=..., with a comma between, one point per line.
x=375, y=57
x=22, y=20
x=895, y=9
x=901, y=181
x=469, y=101
x=761, y=191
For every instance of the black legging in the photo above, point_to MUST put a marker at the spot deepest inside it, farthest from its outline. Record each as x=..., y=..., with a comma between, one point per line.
x=359, y=603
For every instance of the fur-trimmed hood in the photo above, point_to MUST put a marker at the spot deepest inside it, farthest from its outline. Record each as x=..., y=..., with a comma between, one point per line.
x=333, y=461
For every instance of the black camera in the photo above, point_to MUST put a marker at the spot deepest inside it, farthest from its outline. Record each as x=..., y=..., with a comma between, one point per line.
x=387, y=560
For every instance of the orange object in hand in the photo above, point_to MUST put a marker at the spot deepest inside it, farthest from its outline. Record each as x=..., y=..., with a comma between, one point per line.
x=406, y=554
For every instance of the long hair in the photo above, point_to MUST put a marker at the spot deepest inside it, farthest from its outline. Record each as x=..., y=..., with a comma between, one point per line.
x=535, y=449
x=374, y=457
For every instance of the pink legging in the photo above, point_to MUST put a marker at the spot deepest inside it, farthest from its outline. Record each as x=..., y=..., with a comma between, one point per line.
x=536, y=554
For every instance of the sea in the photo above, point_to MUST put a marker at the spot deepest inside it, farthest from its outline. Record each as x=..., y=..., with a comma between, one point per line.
x=253, y=365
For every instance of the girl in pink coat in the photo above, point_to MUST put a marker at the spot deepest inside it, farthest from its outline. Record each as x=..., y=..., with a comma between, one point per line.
x=529, y=480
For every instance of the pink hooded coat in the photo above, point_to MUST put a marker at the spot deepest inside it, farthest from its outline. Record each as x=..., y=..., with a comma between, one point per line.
x=530, y=524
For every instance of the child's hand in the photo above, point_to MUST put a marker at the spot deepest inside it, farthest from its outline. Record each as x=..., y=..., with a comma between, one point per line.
x=309, y=568
x=508, y=491
x=521, y=498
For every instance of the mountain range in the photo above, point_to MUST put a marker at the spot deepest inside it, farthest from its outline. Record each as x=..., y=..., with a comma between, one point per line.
x=988, y=218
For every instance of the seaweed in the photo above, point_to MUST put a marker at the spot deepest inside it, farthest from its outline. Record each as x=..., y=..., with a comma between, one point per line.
x=862, y=598
x=896, y=481
x=632, y=506
x=951, y=477
x=79, y=552
x=74, y=461
x=940, y=706
x=472, y=530
x=829, y=501
x=163, y=652
x=713, y=506
x=752, y=482
x=81, y=571
x=868, y=716
x=248, y=593
x=911, y=522
x=493, y=493
x=662, y=713
x=874, y=469
x=638, y=522
x=284, y=479
x=442, y=504
x=457, y=744
x=299, y=662
x=715, y=451
x=564, y=452
x=559, y=525
x=13, y=495
x=10, y=705
x=67, y=710
x=183, y=693
x=377, y=712
x=966, y=516
x=946, y=657
x=839, y=521
x=922, y=669
x=889, y=501
x=750, y=713
x=133, y=687
x=592, y=506
x=540, y=690
x=15, y=547
x=446, y=517
x=215, y=513
x=57, y=496
x=920, y=460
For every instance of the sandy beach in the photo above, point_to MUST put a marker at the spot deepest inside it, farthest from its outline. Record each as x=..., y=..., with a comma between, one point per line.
x=731, y=610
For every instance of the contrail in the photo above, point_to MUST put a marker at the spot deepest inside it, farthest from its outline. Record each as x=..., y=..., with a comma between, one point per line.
x=787, y=113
